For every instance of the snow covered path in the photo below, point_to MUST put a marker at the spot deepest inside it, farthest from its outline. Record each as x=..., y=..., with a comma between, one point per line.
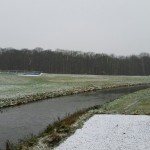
x=111, y=132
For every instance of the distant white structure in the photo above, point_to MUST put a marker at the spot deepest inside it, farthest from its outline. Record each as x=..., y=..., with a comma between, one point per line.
x=30, y=74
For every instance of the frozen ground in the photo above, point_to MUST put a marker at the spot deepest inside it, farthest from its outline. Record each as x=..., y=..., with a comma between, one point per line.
x=13, y=86
x=111, y=132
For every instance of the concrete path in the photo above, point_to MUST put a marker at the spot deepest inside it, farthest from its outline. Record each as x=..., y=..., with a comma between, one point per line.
x=111, y=132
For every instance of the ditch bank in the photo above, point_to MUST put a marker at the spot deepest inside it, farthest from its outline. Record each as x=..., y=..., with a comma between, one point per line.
x=7, y=102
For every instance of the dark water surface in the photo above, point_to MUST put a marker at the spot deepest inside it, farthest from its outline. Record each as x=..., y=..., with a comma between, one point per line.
x=20, y=121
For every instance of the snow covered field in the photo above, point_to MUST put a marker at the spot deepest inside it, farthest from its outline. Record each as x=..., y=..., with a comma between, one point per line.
x=12, y=85
x=111, y=132
x=16, y=89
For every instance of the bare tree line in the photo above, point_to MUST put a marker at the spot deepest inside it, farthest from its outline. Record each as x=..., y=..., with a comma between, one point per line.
x=73, y=62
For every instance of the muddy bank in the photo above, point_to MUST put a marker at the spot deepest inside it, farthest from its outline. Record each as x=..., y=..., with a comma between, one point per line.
x=46, y=95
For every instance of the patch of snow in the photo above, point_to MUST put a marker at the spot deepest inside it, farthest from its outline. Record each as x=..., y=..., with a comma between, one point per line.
x=29, y=75
x=111, y=132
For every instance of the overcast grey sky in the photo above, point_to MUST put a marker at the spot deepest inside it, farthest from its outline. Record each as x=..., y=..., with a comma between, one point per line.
x=121, y=27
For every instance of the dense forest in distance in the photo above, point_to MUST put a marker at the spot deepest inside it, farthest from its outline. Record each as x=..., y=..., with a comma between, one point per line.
x=73, y=62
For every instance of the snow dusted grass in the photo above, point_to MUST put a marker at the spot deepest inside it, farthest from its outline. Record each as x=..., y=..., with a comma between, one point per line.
x=12, y=85
x=135, y=103
x=111, y=132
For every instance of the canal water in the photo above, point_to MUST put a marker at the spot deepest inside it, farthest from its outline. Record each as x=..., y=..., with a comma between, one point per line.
x=21, y=121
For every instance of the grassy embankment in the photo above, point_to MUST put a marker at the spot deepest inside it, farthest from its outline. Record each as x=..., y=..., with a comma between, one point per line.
x=20, y=89
x=137, y=103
